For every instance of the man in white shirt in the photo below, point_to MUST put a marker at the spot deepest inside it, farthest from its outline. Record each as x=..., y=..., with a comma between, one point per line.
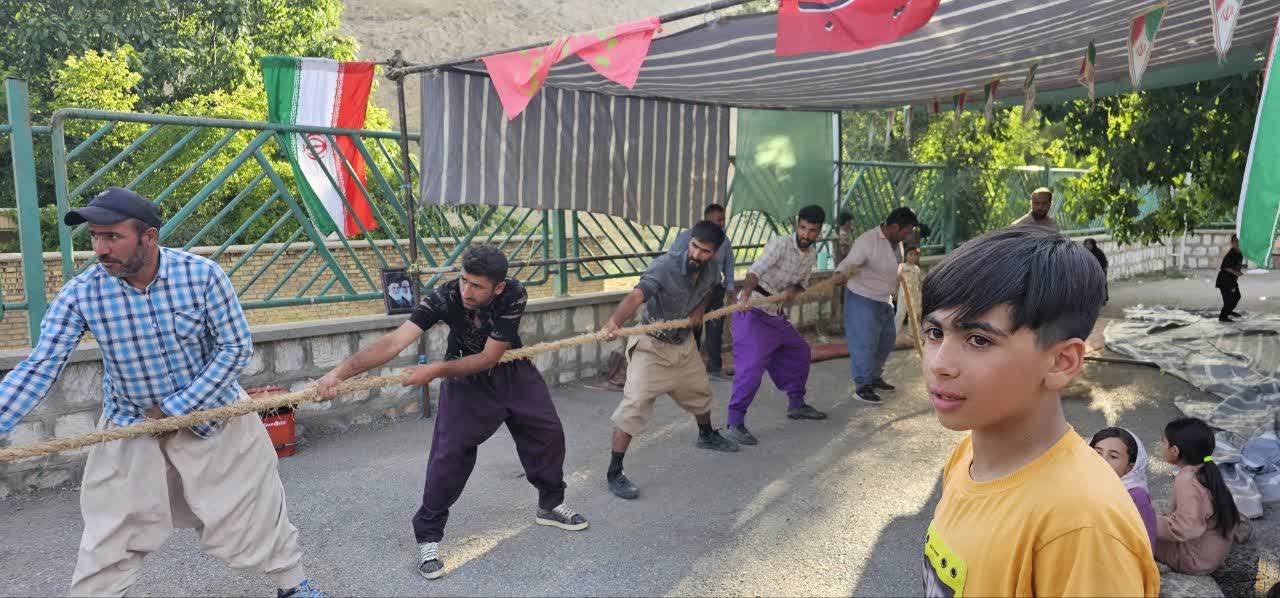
x=763, y=338
x=871, y=269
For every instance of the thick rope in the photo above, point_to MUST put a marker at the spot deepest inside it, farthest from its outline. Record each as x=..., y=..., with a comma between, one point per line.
x=309, y=395
x=915, y=318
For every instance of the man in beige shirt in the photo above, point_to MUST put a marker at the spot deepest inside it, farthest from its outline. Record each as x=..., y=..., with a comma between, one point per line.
x=871, y=275
x=1041, y=202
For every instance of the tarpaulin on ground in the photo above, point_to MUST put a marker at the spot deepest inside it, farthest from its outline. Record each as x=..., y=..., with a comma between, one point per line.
x=651, y=161
x=1239, y=365
x=784, y=161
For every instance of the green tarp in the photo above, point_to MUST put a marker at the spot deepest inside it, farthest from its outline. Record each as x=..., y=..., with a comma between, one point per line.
x=784, y=160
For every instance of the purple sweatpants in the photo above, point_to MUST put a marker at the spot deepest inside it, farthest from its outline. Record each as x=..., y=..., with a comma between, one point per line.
x=471, y=409
x=766, y=343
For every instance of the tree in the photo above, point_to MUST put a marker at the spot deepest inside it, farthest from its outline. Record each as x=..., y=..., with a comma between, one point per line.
x=182, y=48
x=195, y=58
x=1188, y=144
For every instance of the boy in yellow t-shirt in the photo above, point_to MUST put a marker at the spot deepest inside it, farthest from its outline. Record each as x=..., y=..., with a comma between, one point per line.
x=1027, y=507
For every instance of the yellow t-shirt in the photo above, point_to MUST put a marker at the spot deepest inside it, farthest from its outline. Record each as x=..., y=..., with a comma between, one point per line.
x=1063, y=525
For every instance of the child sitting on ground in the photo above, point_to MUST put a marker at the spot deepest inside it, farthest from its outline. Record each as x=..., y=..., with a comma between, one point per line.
x=1122, y=450
x=1027, y=508
x=1195, y=536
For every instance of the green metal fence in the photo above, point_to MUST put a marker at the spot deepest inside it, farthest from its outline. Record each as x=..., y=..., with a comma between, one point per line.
x=227, y=192
x=957, y=205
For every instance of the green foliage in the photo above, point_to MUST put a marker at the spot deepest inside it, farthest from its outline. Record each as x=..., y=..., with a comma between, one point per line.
x=182, y=48
x=191, y=58
x=1189, y=143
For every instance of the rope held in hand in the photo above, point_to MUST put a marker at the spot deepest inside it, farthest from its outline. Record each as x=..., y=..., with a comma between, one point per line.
x=309, y=395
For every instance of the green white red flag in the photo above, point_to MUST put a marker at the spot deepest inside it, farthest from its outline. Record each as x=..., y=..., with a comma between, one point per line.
x=906, y=125
x=989, y=99
x=958, y=100
x=1259, y=207
x=1029, y=93
x=1225, y=13
x=1088, y=69
x=1142, y=40
x=888, y=127
x=617, y=53
x=323, y=92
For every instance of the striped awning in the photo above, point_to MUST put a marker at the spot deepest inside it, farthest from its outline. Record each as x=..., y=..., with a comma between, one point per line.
x=731, y=61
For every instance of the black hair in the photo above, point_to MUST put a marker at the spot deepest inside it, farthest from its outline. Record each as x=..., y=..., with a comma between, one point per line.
x=1051, y=284
x=712, y=209
x=915, y=248
x=139, y=227
x=843, y=218
x=486, y=261
x=1089, y=241
x=707, y=232
x=1195, y=442
x=1129, y=443
x=813, y=214
x=1274, y=592
x=902, y=216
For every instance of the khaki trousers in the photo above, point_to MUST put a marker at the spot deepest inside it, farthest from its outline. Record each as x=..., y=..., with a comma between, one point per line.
x=136, y=491
x=655, y=368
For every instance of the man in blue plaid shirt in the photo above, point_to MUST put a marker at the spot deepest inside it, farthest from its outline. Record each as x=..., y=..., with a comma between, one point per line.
x=173, y=340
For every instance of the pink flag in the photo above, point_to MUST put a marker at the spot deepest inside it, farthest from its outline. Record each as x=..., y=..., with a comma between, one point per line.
x=617, y=53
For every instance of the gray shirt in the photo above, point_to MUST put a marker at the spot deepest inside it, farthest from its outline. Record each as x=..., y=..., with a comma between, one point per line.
x=671, y=293
x=722, y=261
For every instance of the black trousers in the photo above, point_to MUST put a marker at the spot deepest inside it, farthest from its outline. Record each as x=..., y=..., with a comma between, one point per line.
x=715, y=332
x=1230, y=299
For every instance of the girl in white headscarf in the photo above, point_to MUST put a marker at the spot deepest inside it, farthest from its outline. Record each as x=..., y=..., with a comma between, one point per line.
x=1122, y=450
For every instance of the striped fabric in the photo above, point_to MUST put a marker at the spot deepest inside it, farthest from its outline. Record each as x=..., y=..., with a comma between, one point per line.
x=966, y=44
x=651, y=161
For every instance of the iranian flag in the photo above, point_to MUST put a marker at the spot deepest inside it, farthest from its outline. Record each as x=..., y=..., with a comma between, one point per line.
x=1142, y=40
x=989, y=99
x=1029, y=93
x=906, y=125
x=958, y=100
x=323, y=92
x=1225, y=13
x=1088, y=69
x=1260, y=194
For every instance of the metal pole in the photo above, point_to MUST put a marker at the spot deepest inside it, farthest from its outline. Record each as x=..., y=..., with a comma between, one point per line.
x=27, y=201
x=667, y=18
x=411, y=212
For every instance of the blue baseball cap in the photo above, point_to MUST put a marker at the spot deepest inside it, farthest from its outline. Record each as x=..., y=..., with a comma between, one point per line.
x=116, y=204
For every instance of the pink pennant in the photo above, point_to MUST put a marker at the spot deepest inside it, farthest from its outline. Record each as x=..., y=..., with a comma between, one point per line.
x=517, y=76
x=619, y=57
x=617, y=53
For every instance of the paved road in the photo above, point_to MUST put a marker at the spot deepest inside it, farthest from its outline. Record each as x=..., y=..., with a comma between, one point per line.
x=819, y=508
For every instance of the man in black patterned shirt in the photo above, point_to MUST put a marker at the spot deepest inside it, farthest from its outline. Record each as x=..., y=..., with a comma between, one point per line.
x=477, y=395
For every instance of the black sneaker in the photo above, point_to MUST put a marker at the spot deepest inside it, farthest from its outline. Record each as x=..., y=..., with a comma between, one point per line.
x=1226, y=319
x=429, y=564
x=867, y=395
x=715, y=442
x=1236, y=314
x=741, y=435
x=880, y=384
x=562, y=517
x=621, y=487
x=805, y=412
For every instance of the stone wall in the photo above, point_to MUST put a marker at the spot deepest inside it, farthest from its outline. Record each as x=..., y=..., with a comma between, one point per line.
x=260, y=278
x=290, y=356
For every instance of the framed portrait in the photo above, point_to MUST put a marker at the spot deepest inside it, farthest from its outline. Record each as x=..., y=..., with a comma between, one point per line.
x=397, y=291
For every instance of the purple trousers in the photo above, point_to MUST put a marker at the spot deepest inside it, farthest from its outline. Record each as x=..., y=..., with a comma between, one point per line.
x=766, y=343
x=471, y=409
